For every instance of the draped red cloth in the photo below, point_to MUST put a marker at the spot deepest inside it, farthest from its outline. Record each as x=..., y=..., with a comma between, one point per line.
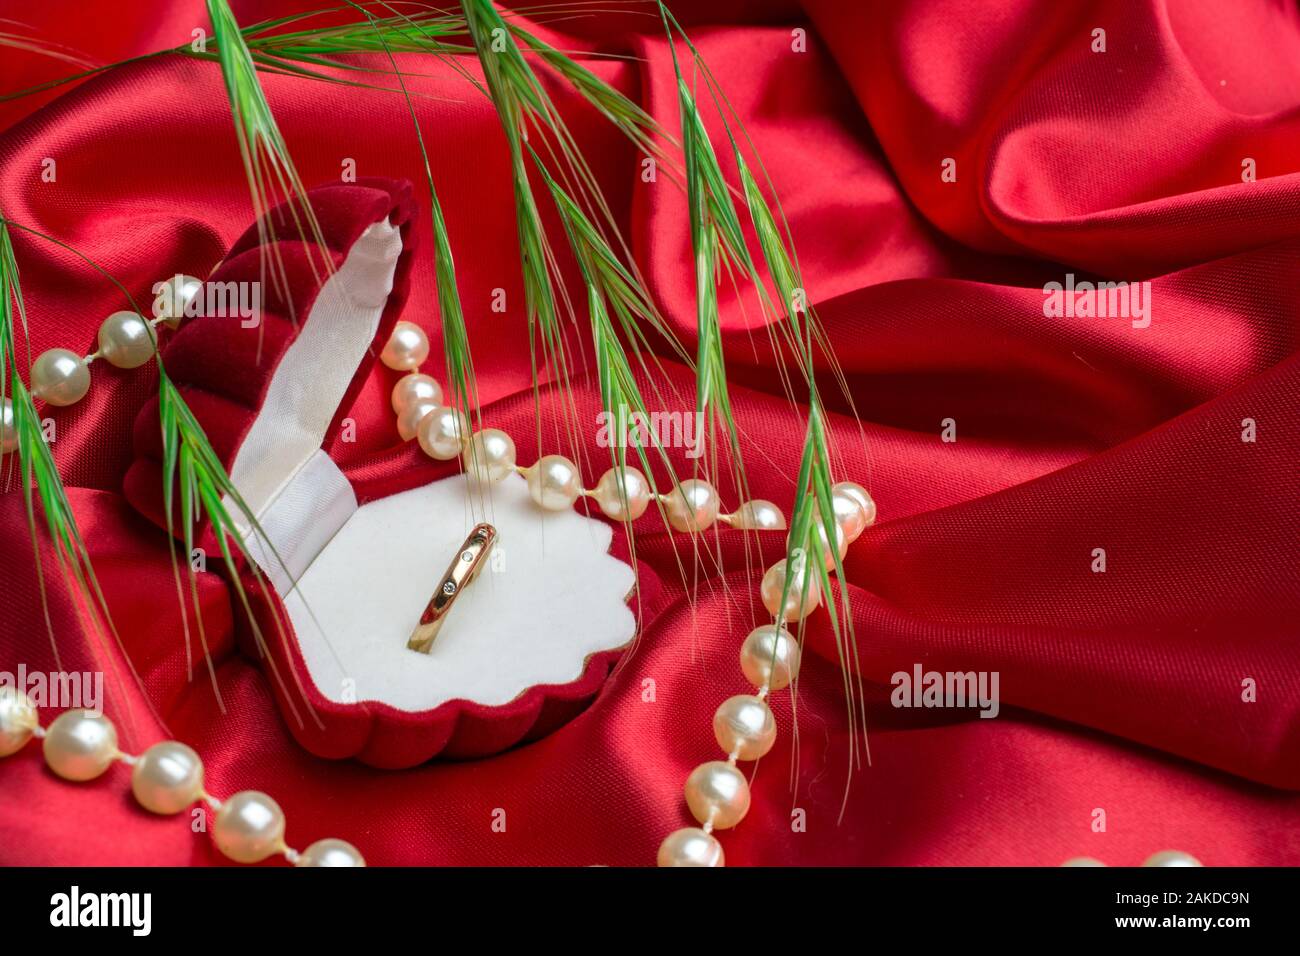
x=1164, y=691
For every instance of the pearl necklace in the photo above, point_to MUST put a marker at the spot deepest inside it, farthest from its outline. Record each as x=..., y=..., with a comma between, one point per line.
x=717, y=793
x=81, y=745
x=126, y=339
x=249, y=827
x=167, y=778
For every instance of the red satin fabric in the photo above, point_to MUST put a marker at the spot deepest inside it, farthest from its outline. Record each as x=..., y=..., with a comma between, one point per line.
x=1121, y=691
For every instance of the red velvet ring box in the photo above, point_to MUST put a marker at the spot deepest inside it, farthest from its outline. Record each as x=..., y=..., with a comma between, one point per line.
x=525, y=648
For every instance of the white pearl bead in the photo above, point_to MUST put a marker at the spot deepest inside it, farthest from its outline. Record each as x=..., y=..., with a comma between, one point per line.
x=407, y=347
x=717, y=792
x=80, y=745
x=758, y=515
x=8, y=427
x=554, y=483
x=409, y=418
x=625, y=499
x=416, y=387
x=1171, y=858
x=804, y=596
x=690, y=846
x=865, y=515
x=819, y=535
x=770, y=657
x=60, y=377
x=249, y=827
x=126, y=340
x=442, y=433
x=1083, y=861
x=167, y=777
x=489, y=455
x=744, y=725
x=692, y=505
x=848, y=515
x=174, y=298
x=331, y=852
x=17, y=720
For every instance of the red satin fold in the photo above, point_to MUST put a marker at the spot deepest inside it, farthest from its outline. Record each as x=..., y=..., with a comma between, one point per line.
x=1121, y=691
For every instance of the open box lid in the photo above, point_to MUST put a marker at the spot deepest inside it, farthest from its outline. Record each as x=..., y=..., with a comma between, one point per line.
x=535, y=634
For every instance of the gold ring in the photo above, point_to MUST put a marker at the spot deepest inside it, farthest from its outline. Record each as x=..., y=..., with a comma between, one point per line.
x=464, y=568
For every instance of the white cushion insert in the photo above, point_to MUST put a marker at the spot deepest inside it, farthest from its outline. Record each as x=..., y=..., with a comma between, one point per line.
x=550, y=596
